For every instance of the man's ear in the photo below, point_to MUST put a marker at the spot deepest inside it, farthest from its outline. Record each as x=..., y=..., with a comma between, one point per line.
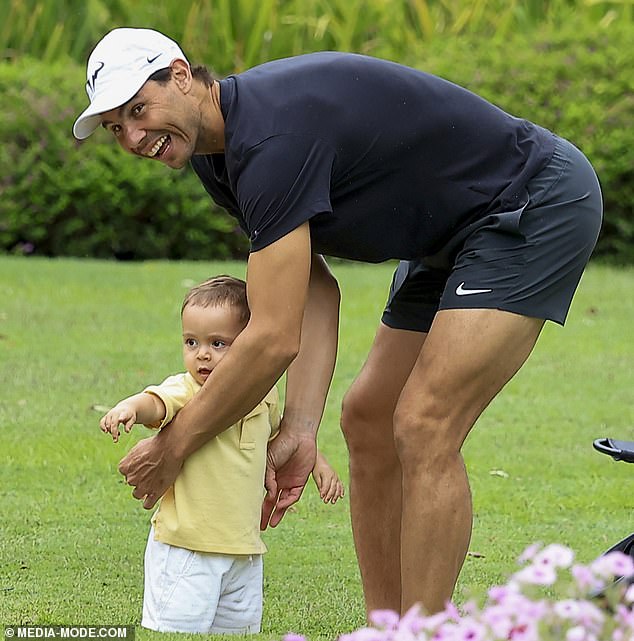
x=181, y=75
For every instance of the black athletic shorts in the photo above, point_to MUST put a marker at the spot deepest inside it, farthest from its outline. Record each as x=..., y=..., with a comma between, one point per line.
x=528, y=261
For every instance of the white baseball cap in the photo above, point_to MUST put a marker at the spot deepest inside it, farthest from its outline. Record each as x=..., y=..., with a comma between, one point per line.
x=118, y=67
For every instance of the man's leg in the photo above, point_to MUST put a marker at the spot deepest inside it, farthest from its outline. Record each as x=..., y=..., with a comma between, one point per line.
x=467, y=358
x=375, y=471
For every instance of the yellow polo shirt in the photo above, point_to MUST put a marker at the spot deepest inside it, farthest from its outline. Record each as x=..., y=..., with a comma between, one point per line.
x=216, y=500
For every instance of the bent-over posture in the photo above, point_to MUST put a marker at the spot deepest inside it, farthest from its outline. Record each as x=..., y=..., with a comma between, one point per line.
x=492, y=217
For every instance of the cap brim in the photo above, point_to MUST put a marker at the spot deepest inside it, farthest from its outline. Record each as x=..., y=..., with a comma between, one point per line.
x=90, y=118
x=86, y=124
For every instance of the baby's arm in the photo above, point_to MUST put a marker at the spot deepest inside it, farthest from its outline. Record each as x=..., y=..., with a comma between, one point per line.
x=147, y=409
x=328, y=483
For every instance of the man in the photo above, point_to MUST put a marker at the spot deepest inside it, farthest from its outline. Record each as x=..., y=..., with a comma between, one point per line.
x=493, y=218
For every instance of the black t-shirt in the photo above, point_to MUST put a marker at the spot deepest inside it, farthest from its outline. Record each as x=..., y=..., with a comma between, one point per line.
x=384, y=160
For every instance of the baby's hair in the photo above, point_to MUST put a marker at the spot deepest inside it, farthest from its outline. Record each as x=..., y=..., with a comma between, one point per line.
x=220, y=290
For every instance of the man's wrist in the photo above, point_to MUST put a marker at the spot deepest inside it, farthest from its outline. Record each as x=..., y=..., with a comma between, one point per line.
x=298, y=432
x=298, y=425
x=173, y=446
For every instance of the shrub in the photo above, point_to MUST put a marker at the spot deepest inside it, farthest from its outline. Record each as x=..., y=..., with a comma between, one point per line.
x=577, y=81
x=59, y=197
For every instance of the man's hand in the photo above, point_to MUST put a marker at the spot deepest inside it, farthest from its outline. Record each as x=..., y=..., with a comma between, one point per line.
x=289, y=462
x=151, y=469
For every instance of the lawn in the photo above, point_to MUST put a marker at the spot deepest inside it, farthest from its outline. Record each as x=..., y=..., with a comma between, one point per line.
x=77, y=335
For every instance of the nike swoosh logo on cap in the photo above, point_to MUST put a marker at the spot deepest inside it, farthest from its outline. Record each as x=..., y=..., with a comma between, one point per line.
x=461, y=291
x=93, y=79
x=151, y=60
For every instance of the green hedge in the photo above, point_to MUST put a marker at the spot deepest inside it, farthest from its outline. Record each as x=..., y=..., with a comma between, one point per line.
x=59, y=197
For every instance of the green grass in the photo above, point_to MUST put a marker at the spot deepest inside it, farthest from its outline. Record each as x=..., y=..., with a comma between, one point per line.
x=80, y=333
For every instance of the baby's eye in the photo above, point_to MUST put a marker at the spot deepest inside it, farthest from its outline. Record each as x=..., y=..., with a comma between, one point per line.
x=218, y=343
x=190, y=342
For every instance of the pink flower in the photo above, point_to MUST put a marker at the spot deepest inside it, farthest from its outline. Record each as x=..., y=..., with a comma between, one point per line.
x=579, y=633
x=434, y=621
x=533, y=610
x=385, y=619
x=364, y=634
x=510, y=615
x=556, y=555
x=613, y=564
x=625, y=617
x=445, y=632
x=499, y=619
x=470, y=630
x=582, y=613
x=524, y=632
x=470, y=608
x=583, y=576
x=452, y=611
x=412, y=621
x=404, y=635
x=502, y=593
x=529, y=553
x=537, y=575
x=590, y=616
x=576, y=634
x=567, y=609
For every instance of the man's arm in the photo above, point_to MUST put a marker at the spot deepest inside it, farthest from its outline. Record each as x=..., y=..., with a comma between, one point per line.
x=291, y=455
x=277, y=285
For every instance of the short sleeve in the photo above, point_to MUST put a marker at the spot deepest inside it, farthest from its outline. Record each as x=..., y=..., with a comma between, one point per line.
x=175, y=392
x=281, y=183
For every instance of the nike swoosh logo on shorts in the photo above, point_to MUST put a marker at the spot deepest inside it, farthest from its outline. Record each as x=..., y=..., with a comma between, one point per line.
x=461, y=291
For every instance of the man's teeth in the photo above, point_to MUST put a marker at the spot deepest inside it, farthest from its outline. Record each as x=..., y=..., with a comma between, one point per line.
x=157, y=146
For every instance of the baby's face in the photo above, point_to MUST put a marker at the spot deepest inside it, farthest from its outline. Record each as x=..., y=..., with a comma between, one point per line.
x=208, y=332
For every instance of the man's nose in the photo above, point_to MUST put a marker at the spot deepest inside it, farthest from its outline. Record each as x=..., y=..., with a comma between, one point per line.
x=133, y=136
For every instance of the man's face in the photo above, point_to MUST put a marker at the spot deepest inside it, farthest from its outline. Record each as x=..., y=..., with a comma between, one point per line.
x=160, y=122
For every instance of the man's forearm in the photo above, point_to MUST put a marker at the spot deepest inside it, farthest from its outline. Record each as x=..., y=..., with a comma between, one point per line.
x=236, y=385
x=310, y=374
x=291, y=456
x=261, y=352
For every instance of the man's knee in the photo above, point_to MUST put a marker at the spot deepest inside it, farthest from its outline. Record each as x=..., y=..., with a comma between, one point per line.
x=365, y=423
x=425, y=435
x=354, y=413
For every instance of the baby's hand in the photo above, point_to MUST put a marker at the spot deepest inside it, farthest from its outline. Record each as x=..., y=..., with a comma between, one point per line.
x=121, y=414
x=328, y=483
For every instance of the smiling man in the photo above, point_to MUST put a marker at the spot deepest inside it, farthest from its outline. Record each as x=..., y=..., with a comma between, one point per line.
x=158, y=103
x=492, y=217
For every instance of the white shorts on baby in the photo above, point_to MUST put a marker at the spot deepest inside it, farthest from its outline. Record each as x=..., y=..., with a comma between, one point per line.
x=189, y=591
